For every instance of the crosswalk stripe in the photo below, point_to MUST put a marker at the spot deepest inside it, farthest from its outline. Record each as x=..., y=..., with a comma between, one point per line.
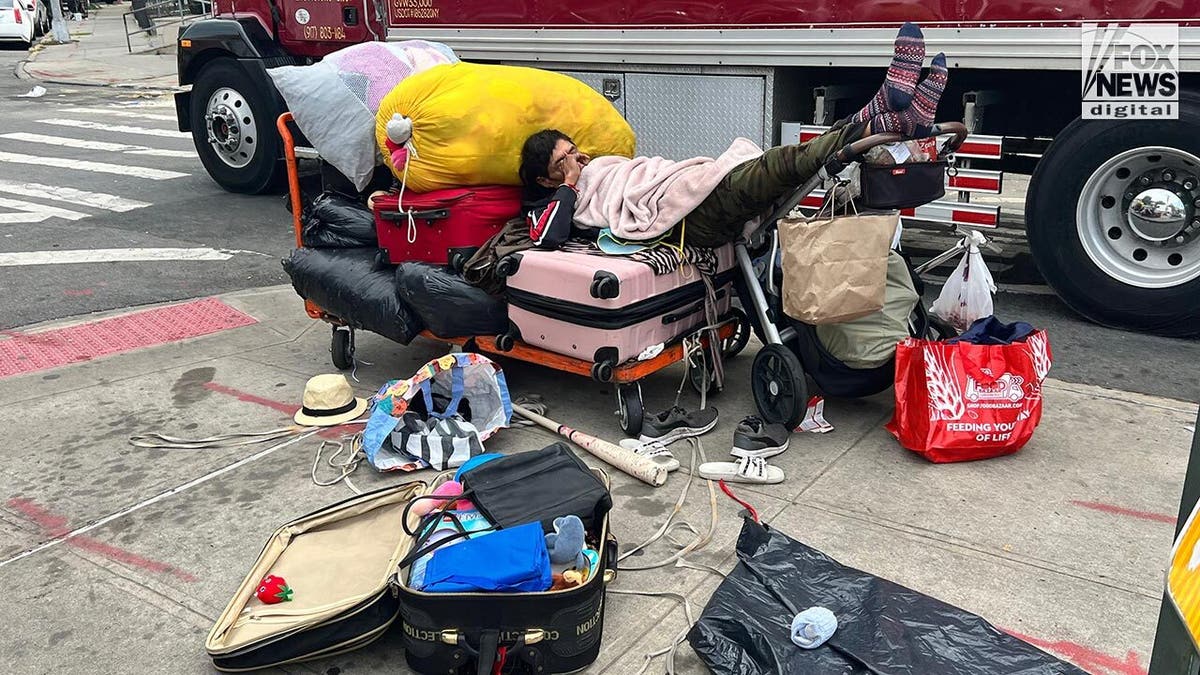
x=96, y=167
x=103, y=255
x=96, y=200
x=23, y=218
x=116, y=128
x=96, y=145
x=115, y=112
x=49, y=211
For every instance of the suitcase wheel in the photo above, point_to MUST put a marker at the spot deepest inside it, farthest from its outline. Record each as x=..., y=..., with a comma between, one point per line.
x=602, y=371
x=505, y=342
x=605, y=286
x=507, y=266
x=341, y=347
x=629, y=408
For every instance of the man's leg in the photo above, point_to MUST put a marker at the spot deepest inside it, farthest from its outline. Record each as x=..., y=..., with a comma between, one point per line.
x=755, y=185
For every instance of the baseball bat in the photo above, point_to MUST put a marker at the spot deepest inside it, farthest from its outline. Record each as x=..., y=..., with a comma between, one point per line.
x=627, y=461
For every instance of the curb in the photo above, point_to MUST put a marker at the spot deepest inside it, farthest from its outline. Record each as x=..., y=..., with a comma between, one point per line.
x=21, y=71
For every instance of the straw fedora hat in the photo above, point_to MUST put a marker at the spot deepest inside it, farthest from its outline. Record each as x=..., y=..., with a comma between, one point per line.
x=329, y=401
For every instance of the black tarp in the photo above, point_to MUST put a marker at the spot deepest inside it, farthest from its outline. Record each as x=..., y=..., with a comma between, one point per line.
x=448, y=305
x=883, y=628
x=350, y=284
x=335, y=221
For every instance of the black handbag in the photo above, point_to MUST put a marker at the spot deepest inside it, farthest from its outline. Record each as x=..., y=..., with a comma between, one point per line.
x=901, y=186
x=537, y=486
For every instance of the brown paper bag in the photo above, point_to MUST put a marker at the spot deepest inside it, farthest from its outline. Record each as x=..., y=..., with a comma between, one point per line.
x=835, y=268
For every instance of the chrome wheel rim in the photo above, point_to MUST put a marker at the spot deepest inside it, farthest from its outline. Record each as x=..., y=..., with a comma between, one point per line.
x=1138, y=217
x=232, y=130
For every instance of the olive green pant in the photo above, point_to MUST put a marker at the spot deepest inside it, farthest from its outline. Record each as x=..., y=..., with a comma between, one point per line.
x=753, y=187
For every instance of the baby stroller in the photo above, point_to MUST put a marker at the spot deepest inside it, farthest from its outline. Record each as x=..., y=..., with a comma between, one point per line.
x=791, y=349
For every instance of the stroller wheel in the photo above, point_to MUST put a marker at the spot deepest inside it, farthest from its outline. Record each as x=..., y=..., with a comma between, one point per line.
x=629, y=408
x=780, y=390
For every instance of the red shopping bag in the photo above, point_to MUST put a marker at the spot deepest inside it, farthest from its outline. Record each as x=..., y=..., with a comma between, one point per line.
x=961, y=402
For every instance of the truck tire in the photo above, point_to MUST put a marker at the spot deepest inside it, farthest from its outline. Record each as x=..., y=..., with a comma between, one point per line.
x=233, y=128
x=1113, y=218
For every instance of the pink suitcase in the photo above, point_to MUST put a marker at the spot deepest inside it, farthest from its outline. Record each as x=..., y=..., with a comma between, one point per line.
x=606, y=308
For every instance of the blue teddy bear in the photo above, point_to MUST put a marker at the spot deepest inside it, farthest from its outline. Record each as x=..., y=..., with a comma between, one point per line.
x=566, y=542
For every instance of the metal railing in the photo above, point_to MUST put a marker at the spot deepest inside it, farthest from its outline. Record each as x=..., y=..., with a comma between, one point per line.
x=151, y=17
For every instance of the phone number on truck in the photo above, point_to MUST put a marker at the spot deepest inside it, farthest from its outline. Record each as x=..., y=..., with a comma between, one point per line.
x=324, y=33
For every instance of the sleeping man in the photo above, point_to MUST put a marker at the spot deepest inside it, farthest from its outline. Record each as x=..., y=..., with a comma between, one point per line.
x=708, y=200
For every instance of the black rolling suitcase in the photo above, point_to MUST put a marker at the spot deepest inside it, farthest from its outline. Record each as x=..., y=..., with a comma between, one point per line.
x=467, y=633
x=343, y=564
x=547, y=632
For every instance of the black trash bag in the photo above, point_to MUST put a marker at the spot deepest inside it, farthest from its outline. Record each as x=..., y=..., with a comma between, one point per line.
x=336, y=221
x=349, y=284
x=883, y=628
x=448, y=305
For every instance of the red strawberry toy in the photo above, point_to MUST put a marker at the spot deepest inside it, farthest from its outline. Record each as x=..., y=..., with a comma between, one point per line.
x=273, y=589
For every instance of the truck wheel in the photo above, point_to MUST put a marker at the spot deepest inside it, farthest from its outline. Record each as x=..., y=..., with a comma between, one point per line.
x=233, y=128
x=1113, y=216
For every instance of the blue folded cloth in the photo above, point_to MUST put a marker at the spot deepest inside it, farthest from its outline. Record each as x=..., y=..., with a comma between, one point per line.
x=509, y=560
x=812, y=627
x=990, y=331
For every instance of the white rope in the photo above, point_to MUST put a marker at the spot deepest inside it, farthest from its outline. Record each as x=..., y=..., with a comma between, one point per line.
x=531, y=402
x=344, y=468
x=163, y=442
x=669, y=650
x=699, y=540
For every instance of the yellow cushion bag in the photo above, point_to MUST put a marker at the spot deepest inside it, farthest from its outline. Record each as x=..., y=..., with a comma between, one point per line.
x=470, y=121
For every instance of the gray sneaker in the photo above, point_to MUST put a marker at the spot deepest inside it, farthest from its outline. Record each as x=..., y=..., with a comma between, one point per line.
x=755, y=438
x=671, y=425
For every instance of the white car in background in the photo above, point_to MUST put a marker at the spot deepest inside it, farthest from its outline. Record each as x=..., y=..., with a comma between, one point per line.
x=23, y=20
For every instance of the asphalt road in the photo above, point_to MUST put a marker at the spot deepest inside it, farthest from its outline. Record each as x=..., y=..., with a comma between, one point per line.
x=190, y=211
x=179, y=209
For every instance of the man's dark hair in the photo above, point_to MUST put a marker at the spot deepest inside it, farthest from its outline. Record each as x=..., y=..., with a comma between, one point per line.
x=535, y=157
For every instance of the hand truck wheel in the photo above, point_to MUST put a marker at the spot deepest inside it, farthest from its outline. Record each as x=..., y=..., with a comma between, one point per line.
x=779, y=387
x=734, y=344
x=341, y=347
x=629, y=409
x=700, y=365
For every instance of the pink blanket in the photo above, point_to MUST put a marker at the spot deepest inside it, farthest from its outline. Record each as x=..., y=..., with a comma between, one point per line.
x=643, y=197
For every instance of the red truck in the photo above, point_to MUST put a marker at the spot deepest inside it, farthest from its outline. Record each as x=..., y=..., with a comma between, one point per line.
x=1112, y=208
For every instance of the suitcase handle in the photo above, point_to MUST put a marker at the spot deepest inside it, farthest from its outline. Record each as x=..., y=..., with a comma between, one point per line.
x=683, y=314
x=489, y=646
x=431, y=214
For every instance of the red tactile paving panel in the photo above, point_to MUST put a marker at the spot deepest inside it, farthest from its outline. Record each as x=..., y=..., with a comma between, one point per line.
x=25, y=353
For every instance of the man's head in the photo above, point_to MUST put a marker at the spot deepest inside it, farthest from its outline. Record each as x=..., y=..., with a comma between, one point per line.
x=545, y=160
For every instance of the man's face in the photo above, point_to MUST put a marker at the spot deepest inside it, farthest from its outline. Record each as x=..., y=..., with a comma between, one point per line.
x=564, y=152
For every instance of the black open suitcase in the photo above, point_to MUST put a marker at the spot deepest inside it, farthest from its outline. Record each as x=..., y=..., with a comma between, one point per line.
x=340, y=562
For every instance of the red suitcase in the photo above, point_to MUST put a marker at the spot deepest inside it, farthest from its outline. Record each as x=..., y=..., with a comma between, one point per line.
x=438, y=227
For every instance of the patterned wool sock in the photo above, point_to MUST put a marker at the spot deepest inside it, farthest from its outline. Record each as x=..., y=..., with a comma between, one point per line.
x=896, y=93
x=916, y=120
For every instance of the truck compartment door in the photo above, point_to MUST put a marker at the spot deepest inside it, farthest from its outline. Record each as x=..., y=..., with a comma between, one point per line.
x=611, y=85
x=678, y=116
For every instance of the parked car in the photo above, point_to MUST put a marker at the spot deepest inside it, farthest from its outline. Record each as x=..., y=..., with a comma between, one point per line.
x=23, y=20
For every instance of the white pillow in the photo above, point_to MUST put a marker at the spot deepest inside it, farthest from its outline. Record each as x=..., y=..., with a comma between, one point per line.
x=335, y=100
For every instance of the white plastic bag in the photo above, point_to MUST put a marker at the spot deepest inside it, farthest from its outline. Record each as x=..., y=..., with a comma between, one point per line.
x=967, y=295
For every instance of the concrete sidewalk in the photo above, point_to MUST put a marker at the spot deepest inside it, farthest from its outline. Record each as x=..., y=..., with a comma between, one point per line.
x=99, y=56
x=135, y=552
